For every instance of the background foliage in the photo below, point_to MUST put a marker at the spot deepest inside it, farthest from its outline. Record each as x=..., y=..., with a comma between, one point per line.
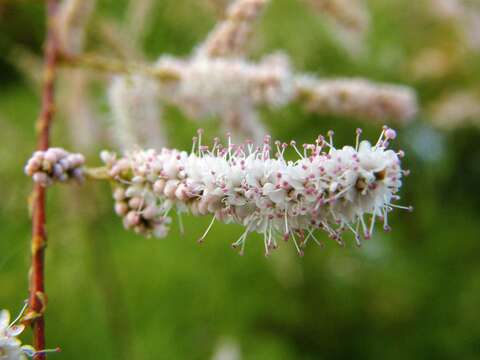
x=412, y=293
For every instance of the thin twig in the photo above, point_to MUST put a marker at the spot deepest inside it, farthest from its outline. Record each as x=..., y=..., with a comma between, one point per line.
x=114, y=66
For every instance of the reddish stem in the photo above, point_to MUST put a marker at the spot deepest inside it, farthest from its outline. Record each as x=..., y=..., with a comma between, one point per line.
x=37, y=299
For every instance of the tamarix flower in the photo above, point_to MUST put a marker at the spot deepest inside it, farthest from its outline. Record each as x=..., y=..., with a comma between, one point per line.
x=212, y=87
x=228, y=88
x=256, y=186
x=10, y=346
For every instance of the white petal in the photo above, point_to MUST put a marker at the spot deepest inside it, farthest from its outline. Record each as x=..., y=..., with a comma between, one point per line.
x=4, y=320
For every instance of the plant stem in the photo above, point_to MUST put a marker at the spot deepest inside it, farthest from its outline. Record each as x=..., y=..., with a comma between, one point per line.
x=37, y=298
x=97, y=173
x=114, y=66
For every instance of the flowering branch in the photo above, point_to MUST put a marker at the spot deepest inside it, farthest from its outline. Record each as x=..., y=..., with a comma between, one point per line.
x=326, y=188
x=38, y=299
x=232, y=89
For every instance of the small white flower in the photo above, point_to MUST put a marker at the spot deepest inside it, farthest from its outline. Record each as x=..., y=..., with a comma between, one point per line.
x=11, y=347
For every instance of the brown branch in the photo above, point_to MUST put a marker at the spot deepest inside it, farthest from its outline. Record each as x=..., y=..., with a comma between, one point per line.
x=37, y=299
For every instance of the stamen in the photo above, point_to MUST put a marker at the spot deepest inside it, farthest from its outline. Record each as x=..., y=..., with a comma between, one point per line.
x=19, y=316
x=194, y=142
x=330, y=136
x=372, y=223
x=180, y=223
x=408, y=208
x=299, y=251
x=294, y=145
x=199, y=132
x=310, y=234
x=202, y=238
x=358, y=131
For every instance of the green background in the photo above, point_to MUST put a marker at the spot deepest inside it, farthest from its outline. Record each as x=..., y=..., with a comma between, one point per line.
x=413, y=293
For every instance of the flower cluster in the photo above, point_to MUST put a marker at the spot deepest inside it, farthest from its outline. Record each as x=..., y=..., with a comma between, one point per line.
x=455, y=110
x=213, y=86
x=55, y=164
x=228, y=88
x=232, y=88
x=357, y=98
x=325, y=188
x=137, y=207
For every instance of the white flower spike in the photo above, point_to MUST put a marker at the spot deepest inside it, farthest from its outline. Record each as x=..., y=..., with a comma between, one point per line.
x=325, y=188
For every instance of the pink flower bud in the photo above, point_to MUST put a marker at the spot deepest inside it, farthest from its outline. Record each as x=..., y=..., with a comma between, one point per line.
x=171, y=169
x=132, y=219
x=121, y=208
x=119, y=193
x=135, y=202
x=150, y=212
x=203, y=207
x=390, y=134
x=170, y=188
x=57, y=170
x=158, y=186
x=181, y=192
x=50, y=156
x=40, y=178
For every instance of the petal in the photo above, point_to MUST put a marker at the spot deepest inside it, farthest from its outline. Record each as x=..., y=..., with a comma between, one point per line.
x=15, y=330
x=364, y=146
x=4, y=319
x=278, y=196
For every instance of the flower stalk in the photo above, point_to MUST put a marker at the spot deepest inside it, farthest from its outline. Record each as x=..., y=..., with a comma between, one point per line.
x=114, y=66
